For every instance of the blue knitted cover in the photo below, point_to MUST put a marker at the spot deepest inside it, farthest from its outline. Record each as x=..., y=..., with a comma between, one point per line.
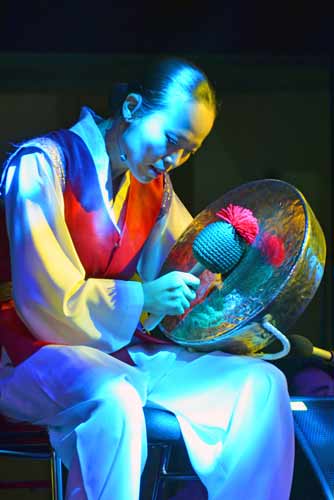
x=218, y=247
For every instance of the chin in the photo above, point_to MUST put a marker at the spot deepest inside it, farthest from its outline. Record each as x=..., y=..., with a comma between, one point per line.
x=144, y=179
x=144, y=175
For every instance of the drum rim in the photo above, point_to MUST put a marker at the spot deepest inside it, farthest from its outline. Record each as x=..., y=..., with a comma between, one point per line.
x=255, y=316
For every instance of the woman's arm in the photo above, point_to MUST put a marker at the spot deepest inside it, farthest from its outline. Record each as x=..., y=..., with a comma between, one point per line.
x=165, y=233
x=51, y=293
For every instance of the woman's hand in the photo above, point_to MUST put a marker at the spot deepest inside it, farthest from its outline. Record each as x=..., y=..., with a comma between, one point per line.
x=170, y=294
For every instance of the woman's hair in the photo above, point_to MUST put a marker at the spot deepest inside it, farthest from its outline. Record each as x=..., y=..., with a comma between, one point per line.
x=170, y=77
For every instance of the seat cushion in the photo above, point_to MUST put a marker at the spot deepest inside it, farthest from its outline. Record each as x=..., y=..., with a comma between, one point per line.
x=162, y=426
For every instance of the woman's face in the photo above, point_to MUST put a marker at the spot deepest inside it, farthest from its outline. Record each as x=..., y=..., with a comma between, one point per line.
x=165, y=139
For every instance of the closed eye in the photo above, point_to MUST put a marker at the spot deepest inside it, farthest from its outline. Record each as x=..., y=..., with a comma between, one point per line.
x=172, y=140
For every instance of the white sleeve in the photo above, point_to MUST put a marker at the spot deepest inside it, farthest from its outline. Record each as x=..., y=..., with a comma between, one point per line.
x=163, y=236
x=51, y=293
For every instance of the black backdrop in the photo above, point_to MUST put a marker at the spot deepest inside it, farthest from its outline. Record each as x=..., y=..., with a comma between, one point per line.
x=38, y=39
x=232, y=26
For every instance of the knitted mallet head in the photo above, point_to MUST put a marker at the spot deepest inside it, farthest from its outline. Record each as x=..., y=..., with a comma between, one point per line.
x=221, y=244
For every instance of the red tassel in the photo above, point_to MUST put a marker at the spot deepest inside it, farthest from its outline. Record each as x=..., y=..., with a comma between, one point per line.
x=272, y=247
x=243, y=221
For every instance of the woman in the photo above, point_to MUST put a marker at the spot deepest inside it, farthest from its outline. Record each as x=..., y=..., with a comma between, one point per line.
x=86, y=209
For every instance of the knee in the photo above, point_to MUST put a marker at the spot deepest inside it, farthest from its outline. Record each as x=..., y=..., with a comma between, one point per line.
x=276, y=376
x=266, y=379
x=119, y=400
x=124, y=395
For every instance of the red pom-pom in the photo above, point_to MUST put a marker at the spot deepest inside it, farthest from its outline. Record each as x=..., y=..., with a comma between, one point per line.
x=243, y=221
x=272, y=247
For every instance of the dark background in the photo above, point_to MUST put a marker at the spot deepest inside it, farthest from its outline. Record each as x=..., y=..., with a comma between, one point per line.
x=232, y=26
x=272, y=64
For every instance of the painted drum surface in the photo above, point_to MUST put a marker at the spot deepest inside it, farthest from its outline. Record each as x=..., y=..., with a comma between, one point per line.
x=229, y=311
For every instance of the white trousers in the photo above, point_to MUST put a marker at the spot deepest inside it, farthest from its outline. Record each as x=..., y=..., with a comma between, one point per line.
x=233, y=411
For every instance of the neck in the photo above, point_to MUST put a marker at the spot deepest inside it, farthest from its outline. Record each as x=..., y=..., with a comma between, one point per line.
x=111, y=130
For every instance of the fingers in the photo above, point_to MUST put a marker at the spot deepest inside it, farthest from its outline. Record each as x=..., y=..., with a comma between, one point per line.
x=191, y=280
x=185, y=291
x=189, y=293
x=180, y=299
x=179, y=305
x=179, y=278
x=170, y=294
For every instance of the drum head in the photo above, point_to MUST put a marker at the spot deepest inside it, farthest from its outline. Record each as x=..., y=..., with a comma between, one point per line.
x=228, y=313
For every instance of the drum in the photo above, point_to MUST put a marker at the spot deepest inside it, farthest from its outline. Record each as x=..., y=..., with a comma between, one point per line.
x=257, y=302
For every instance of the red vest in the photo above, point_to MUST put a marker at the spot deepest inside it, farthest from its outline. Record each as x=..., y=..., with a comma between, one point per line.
x=103, y=252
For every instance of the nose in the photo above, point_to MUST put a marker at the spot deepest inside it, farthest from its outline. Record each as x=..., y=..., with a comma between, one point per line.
x=173, y=160
x=168, y=163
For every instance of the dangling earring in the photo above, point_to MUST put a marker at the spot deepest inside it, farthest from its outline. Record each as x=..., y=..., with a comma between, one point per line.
x=122, y=156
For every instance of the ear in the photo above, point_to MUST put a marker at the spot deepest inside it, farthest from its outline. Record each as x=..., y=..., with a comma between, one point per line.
x=131, y=104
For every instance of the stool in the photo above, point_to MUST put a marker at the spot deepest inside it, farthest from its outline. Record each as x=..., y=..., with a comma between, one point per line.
x=29, y=441
x=164, y=435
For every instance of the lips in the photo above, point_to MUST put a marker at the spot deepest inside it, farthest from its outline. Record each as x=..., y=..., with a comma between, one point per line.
x=155, y=170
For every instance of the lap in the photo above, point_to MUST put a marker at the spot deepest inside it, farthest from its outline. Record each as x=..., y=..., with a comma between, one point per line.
x=205, y=387
x=56, y=378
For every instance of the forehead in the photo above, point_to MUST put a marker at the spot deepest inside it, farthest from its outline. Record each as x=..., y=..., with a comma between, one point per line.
x=189, y=119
